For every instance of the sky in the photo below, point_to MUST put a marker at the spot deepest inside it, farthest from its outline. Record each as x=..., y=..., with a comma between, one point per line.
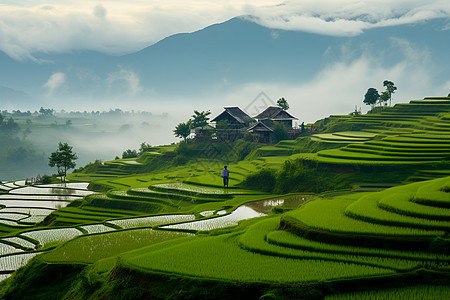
x=119, y=27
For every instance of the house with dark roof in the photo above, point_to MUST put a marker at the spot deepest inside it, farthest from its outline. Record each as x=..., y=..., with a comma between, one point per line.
x=234, y=116
x=231, y=124
x=276, y=114
x=261, y=133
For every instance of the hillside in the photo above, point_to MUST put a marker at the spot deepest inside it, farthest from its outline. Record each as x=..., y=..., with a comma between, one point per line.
x=359, y=209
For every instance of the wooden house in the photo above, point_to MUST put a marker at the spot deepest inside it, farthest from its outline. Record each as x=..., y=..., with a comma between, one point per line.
x=231, y=124
x=261, y=133
x=274, y=114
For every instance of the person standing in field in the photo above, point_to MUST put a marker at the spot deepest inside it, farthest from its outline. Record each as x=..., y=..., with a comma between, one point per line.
x=225, y=176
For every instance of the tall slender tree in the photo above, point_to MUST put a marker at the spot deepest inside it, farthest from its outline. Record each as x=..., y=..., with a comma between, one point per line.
x=390, y=88
x=384, y=97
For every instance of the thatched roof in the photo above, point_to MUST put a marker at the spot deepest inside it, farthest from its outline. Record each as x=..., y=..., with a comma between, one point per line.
x=275, y=113
x=260, y=127
x=234, y=112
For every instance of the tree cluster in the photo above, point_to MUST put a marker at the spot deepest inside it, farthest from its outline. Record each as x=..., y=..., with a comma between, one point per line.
x=132, y=153
x=372, y=97
x=198, y=120
x=46, y=112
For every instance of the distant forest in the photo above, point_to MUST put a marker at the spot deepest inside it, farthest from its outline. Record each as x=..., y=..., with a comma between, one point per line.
x=29, y=137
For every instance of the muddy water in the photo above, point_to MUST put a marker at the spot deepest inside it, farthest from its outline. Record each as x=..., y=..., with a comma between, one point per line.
x=243, y=212
x=288, y=202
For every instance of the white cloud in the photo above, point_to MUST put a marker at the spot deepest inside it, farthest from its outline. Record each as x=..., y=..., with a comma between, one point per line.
x=119, y=27
x=55, y=81
x=341, y=86
x=100, y=12
x=124, y=78
x=348, y=17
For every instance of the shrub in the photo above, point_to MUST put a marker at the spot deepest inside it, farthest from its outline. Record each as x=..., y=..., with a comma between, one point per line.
x=264, y=180
x=46, y=179
x=280, y=132
x=129, y=153
x=297, y=176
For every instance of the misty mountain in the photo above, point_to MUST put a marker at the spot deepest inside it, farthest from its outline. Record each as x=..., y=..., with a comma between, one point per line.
x=218, y=58
x=9, y=97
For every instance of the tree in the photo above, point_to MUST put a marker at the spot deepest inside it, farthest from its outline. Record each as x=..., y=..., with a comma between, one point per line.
x=46, y=112
x=200, y=119
x=390, y=88
x=384, y=97
x=280, y=132
x=183, y=130
x=63, y=158
x=371, y=97
x=144, y=148
x=283, y=103
x=11, y=128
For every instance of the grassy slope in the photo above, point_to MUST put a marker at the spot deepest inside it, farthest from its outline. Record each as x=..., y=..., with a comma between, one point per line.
x=269, y=251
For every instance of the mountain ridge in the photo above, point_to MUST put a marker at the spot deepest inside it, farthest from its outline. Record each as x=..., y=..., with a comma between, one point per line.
x=219, y=58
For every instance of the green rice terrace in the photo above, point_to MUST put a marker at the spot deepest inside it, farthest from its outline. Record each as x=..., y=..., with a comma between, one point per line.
x=360, y=209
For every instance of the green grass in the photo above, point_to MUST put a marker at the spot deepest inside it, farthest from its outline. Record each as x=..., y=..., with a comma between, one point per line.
x=329, y=215
x=255, y=240
x=366, y=208
x=287, y=239
x=433, y=193
x=402, y=203
x=221, y=258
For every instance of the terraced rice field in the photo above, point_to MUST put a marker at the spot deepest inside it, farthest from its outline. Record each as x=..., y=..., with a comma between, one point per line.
x=150, y=221
x=410, y=292
x=401, y=136
x=47, y=236
x=255, y=240
x=220, y=258
x=329, y=215
x=96, y=228
x=12, y=262
x=29, y=190
x=241, y=213
x=396, y=236
x=7, y=249
x=20, y=242
x=345, y=137
x=29, y=205
x=191, y=189
x=91, y=248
